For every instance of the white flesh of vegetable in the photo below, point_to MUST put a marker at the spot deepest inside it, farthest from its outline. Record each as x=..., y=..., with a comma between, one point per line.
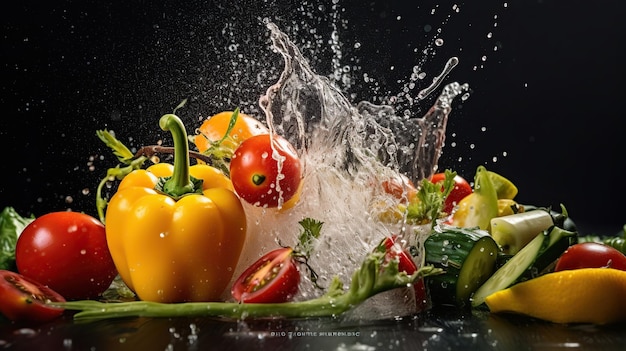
x=514, y=231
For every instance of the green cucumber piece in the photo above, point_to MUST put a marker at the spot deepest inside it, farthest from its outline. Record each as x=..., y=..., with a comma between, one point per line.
x=468, y=258
x=529, y=262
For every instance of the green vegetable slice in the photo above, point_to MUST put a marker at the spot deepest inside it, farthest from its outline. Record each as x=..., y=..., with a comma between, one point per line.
x=468, y=257
x=529, y=262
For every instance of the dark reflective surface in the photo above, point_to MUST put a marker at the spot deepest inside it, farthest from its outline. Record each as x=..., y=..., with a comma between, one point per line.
x=442, y=329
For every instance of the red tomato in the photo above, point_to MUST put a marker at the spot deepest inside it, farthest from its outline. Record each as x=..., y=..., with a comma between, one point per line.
x=400, y=187
x=258, y=177
x=68, y=252
x=460, y=190
x=405, y=264
x=24, y=300
x=591, y=255
x=273, y=278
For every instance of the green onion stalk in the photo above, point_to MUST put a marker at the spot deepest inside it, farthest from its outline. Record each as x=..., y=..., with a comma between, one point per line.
x=375, y=275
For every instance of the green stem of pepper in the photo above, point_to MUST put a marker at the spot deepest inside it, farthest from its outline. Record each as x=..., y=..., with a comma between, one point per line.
x=180, y=183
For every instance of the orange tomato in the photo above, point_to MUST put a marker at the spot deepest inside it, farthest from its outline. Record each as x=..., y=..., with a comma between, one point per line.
x=214, y=128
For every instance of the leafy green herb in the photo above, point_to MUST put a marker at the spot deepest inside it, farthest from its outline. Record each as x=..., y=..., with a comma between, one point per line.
x=375, y=275
x=311, y=229
x=11, y=226
x=128, y=163
x=430, y=200
x=219, y=153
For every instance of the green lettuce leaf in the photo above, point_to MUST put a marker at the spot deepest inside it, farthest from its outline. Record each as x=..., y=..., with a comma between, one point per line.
x=11, y=226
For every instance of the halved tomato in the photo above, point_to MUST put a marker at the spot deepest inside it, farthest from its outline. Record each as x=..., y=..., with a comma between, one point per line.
x=24, y=300
x=275, y=277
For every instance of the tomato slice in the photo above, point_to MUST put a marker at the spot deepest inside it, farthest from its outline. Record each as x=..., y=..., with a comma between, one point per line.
x=24, y=300
x=275, y=277
x=407, y=265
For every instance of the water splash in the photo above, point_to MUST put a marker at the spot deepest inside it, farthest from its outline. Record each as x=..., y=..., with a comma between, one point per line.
x=347, y=150
x=318, y=119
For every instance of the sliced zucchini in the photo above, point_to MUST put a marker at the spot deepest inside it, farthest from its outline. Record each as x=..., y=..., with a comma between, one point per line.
x=468, y=257
x=528, y=263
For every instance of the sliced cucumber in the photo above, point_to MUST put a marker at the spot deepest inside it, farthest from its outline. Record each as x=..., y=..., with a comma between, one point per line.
x=468, y=257
x=514, y=231
x=529, y=262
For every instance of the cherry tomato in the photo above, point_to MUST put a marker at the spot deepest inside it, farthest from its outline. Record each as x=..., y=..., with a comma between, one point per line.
x=259, y=177
x=68, y=252
x=214, y=128
x=24, y=300
x=400, y=187
x=273, y=278
x=407, y=265
x=460, y=190
x=591, y=255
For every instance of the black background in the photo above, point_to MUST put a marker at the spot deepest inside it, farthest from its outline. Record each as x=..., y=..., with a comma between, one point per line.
x=545, y=107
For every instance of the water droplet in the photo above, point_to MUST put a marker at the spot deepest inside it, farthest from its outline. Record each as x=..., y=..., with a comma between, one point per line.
x=25, y=332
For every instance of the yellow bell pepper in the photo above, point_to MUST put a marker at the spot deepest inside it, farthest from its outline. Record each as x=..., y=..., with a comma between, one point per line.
x=176, y=232
x=478, y=208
